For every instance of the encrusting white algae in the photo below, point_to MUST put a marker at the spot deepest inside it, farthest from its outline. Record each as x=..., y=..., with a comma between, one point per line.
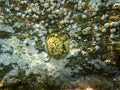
x=59, y=44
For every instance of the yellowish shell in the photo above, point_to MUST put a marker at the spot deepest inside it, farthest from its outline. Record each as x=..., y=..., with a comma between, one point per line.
x=57, y=46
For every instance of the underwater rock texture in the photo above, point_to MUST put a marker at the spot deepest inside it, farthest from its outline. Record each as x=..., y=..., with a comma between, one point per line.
x=52, y=43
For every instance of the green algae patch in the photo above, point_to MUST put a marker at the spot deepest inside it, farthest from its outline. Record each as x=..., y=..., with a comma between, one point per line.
x=57, y=45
